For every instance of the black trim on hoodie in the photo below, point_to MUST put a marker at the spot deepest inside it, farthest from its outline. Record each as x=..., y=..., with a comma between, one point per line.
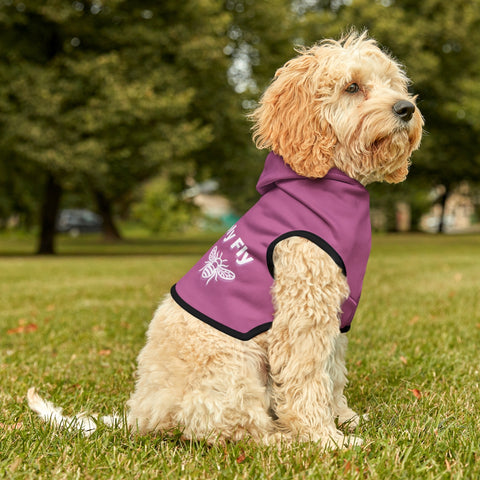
x=320, y=242
x=219, y=326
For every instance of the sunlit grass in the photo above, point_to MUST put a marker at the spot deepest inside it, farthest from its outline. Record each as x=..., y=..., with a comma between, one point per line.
x=72, y=326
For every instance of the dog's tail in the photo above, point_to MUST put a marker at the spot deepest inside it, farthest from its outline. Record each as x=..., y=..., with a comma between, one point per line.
x=49, y=413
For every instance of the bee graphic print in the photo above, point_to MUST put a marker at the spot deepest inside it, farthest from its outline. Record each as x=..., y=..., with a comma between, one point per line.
x=215, y=267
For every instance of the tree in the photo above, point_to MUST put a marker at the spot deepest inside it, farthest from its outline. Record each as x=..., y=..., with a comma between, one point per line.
x=110, y=95
x=94, y=93
x=252, y=52
x=104, y=96
x=161, y=209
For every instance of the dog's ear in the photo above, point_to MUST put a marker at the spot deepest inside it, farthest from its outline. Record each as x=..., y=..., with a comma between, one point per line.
x=289, y=119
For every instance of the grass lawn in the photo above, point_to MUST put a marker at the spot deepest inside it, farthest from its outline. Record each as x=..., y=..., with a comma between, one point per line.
x=72, y=326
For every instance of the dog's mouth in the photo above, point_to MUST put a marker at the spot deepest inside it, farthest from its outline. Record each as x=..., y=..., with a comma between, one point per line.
x=377, y=144
x=398, y=137
x=391, y=149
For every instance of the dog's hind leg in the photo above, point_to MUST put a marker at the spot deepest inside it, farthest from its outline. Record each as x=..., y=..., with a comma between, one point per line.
x=227, y=403
x=205, y=383
x=308, y=292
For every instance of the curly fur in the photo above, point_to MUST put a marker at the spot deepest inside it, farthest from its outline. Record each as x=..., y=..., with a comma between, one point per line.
x=306, y=116
x=287, y=383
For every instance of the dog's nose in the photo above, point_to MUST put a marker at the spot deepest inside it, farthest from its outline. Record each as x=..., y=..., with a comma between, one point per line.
x=404, y=109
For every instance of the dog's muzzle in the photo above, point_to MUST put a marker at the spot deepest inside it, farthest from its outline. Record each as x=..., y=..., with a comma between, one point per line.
x=404, y=110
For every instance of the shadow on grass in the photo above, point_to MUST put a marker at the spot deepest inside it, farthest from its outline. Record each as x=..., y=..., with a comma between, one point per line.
x=94, y=245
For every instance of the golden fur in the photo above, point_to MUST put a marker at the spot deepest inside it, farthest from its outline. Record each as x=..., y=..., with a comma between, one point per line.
x=288, y=382
x=332, y=106
x=306, y=117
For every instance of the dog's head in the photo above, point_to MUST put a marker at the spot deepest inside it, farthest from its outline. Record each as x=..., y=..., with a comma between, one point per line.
x=341, y=104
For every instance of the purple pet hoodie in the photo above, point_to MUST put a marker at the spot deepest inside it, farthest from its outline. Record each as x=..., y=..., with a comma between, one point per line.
x=229, y=288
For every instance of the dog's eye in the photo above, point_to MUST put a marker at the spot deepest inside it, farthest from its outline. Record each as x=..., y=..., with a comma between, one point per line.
x=352, y=88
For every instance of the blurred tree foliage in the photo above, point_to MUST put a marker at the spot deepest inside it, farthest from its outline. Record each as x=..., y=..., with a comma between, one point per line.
x=94, y=93
x=161, y=209
x=107, y=95
x=104, y=96
x=438, y=41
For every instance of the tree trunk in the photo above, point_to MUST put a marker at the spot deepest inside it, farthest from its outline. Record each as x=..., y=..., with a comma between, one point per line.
x=48, y=216
x=443, y=203
x=110, y=230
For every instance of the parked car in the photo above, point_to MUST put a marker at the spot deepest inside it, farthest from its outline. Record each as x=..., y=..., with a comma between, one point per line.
x=77, y=221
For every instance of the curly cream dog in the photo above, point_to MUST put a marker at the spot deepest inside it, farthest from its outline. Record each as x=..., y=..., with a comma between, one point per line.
x=340, y=112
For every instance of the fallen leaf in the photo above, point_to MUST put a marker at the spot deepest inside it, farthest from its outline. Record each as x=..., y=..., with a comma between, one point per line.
x=416, y=393
x=414, y=320
x=347, y=466
x=30, y=327
x=225, y=453
x=11, y=427
x=15, y=464
x=73, y=387
x=241, y=458
x=105, y=352
x=403, y=360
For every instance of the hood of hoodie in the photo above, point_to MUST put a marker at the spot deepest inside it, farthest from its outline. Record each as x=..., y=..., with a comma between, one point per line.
x=276, y=172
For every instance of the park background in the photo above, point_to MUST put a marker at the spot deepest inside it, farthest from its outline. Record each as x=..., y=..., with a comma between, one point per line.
x=135, y=110
x=138, y=110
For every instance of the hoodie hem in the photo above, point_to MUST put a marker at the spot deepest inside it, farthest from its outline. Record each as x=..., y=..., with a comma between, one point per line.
x=244, y=336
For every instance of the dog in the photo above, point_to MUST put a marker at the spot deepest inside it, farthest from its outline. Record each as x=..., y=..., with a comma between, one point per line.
x=251, y=342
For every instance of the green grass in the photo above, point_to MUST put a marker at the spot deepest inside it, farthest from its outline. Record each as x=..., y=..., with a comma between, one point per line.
x=72, y=326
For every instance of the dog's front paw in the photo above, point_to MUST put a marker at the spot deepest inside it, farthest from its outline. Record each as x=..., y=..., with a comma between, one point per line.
x=351, y=420
x=354, y=441
x=339, y=441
